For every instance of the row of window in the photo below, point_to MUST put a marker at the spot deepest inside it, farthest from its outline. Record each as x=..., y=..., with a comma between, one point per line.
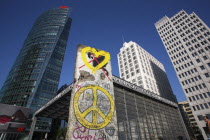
x=170, y=37
x=178, y=55
x=196, y=78
x=163, y=26
x=204, y=42
x=183, y=67
x=199, y=96
x=131, y=71
x=128, y=55
x=127, y=51
x=193, y=29
x=191, y=89
x=37, y=31
x=200, y=117
x=181, y=60
x=43, y=32
x=28, y=89
x=195, y=21
x=166, y=31
x=177, y=16
x=168, y=34
x=204, y=57
x=175, y=43
x=178, y=19
x=176, y=49
x=48, y=42
x=200, y=51
x=201, y=106
x=192, y=48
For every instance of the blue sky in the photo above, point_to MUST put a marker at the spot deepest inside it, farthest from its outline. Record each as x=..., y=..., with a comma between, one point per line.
x=99, y=24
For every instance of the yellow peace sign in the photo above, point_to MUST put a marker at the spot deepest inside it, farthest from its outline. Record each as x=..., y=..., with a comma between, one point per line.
x=94, y=108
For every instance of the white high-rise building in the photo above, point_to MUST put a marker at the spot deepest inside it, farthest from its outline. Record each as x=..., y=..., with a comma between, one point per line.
x=139, y=67
x=187, y=41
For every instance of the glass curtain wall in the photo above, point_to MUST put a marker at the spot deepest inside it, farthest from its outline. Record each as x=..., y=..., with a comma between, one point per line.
x=141, y=118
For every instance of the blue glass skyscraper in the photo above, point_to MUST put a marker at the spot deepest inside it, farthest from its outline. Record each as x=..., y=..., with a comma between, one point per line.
x=33, y=78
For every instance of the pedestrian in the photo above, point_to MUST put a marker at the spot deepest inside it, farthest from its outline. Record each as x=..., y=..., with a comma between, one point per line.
x=207, y=128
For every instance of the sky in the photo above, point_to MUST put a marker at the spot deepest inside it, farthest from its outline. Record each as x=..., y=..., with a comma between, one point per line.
x=99, y=24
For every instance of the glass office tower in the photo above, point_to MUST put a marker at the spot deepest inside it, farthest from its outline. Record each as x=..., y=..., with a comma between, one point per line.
x=33, y=78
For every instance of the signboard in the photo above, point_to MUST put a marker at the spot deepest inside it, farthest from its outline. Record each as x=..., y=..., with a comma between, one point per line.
x=92, y=114
x=13, y=118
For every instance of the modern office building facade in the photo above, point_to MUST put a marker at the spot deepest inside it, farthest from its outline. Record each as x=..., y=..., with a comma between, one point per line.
x=139, y=67
x=141, y=114
x=189, y=120
x=33, y=78
x=187, y=41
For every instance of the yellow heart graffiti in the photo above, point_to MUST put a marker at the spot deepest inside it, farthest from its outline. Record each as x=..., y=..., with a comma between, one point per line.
x=97, y=54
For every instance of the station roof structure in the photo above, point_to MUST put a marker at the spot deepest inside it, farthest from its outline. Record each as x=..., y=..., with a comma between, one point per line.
x=58, y=107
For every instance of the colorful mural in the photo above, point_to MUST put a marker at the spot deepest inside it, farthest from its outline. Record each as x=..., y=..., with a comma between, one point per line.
x=92, y=107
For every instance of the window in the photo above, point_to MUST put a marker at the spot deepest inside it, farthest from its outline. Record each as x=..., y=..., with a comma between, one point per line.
x=200, y=86
x=132, y=74
x=208, y=93
x=190, y=90
x=205, y=57
x=205, y=104
x=201, y=106
x=204, y=94
x=198, y=60
x=201, y=96
x=186, y=90
x=200, y=117
x=193, y=88
x=183, y=83
x=186, y=82
x=207, y=75
x=139, y=77
x=198, y=107
x=197, y=97
x=202, y=67
x=196, y=78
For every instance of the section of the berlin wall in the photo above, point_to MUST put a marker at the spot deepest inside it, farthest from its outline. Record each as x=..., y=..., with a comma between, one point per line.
x=92, y=114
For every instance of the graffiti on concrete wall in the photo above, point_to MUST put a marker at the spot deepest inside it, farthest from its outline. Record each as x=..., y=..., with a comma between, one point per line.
x=92, y=108
x=96, y=108
x=83, y=133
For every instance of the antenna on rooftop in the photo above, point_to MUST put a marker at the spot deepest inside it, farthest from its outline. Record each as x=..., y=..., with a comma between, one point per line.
x=123, y=39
